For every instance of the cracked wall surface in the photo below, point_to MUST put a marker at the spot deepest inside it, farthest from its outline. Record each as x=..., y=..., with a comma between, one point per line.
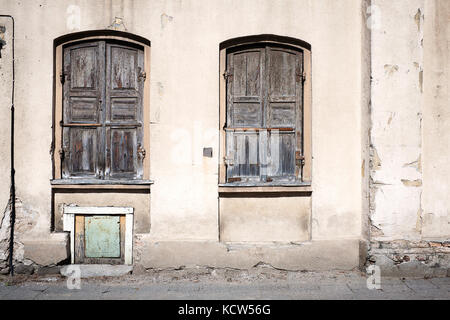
x=396, y=133
x=5, y=128
x=409, y=204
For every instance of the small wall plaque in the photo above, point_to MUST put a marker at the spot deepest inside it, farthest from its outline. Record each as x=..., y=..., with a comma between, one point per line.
x=208, y=152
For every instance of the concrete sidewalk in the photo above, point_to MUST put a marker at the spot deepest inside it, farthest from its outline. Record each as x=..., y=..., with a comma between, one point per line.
x=218, y=284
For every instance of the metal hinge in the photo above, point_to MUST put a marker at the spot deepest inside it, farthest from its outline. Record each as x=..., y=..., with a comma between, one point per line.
x=64, y=76
x=63, y=152
x=142, y=76
x=227, y=74
x=228, y=161
x=141, y=151
x=234, y=179
x=300, y=76
x=299, y=158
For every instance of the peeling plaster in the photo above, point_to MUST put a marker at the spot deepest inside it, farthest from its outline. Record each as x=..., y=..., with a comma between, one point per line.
x=390, y=69
x=419, y=220
x=412, y=183
x=421, y=80
x=375, y=160
x=117, y=24
x=415, y=164
x=165, y=19
x=418, y=19
x=391, y=117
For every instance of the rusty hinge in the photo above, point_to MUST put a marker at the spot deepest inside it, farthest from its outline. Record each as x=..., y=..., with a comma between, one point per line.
x=64, y=76
x=141, y=151
x=228, y=161
x=234, y=179
x=62, y=152
x=299, y=158
x=142, y=75
x=300, y=76
x=227, y=74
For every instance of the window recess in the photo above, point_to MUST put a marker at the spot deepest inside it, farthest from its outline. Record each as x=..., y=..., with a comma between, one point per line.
x=102, y=118
x=263, y=126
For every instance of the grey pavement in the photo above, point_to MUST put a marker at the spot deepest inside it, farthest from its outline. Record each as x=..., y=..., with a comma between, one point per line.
x=199, y=284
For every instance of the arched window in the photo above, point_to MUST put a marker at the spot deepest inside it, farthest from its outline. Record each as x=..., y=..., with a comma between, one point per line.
x=264, y=110
x=100, y=108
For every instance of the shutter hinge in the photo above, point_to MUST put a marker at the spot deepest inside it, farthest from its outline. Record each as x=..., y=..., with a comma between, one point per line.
x=64, y=76
x=63, y=152
x=299, y=158
x=141, y=151
x=228, y=161
x=142, y=76
x=300, y=76
x=227, y=74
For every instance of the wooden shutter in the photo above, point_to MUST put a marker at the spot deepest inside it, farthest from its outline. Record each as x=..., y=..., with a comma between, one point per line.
x=284, y=110
x=245, y=70
x=102, y=117
x=264, y=114
x=83, y=96
x=124, y=92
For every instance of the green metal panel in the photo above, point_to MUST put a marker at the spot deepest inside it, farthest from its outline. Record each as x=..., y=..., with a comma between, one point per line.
x=102, y=237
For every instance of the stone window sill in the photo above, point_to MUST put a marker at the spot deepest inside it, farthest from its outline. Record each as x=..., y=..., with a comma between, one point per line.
x=302, y=187
x=100, y=184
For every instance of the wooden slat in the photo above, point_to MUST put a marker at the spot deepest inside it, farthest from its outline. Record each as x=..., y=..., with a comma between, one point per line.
x=79, y=239
x=81, y=125
x=259, y=129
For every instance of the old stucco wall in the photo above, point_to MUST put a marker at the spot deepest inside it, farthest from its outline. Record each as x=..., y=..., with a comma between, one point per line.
x=184, y=115
x=5, y=128
x=409, y=137
x=436, y=122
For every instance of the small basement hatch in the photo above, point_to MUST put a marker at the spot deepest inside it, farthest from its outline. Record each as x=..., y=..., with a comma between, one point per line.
x=99, y=235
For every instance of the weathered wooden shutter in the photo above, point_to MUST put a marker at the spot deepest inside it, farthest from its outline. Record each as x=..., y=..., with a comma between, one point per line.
x=83, y=97
x=284, y=112
x=123, y=119
x=102, y=117
x=245, y=70
x=264, y=114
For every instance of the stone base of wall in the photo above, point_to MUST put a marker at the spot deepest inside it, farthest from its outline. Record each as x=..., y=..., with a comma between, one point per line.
x=311, y=256
x=404, y=258
x=39, y=255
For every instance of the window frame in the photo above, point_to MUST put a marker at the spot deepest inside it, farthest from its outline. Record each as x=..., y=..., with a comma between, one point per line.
x=305, y=184
x=56, y=149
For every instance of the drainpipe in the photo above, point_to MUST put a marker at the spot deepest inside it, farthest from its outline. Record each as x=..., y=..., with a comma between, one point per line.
x=13, y=184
